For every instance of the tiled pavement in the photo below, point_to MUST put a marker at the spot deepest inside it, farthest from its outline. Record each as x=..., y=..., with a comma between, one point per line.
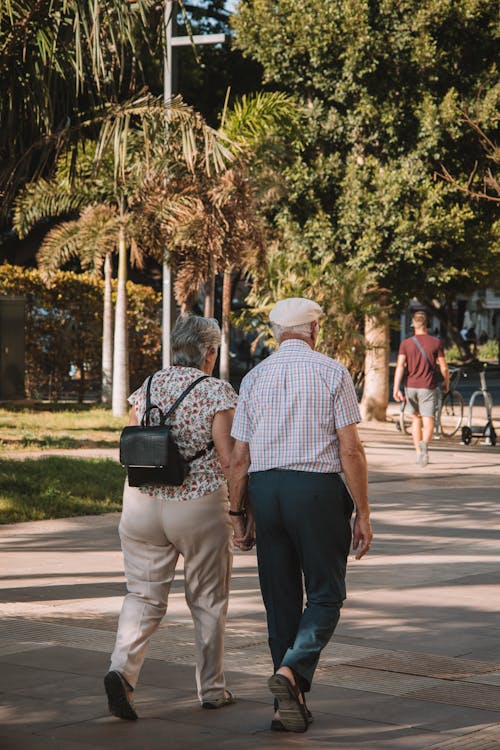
x=414, y=664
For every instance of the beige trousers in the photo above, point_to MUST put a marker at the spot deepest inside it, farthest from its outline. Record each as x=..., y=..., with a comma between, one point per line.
x=153, y=534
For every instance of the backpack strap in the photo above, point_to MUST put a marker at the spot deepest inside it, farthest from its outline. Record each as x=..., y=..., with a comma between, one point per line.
x=424, y=354
x=164, y=417
x=184, y=394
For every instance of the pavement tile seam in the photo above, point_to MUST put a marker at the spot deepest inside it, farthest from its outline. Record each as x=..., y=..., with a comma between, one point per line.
x=484, y=739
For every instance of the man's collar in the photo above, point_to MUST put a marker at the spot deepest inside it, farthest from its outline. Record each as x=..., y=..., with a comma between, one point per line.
x=295, y=344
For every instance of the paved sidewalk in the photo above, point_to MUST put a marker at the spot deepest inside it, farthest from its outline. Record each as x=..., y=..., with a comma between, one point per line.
x=414, y=664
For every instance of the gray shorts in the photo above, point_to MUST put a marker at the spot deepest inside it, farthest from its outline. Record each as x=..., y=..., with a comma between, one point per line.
x=421, y=401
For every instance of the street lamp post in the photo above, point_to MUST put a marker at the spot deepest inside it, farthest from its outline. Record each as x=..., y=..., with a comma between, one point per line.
x=172, y=41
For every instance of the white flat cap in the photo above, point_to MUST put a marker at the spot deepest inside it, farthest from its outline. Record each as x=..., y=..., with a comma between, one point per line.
x=295, y=311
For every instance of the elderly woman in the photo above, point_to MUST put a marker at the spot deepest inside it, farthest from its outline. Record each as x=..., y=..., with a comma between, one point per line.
x=159, y=523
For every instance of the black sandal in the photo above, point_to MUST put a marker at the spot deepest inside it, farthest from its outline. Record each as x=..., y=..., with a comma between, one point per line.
x=119, y=703
x=278, y=726
x=293, y=713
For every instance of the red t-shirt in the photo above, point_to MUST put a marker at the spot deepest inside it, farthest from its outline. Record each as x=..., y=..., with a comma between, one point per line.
x=420, y=374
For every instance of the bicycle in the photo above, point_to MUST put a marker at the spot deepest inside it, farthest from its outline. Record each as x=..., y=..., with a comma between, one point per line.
x=449, y=410
x=487, y=431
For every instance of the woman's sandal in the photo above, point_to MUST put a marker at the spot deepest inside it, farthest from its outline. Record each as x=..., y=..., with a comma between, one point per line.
x=227, y=700
x=119, y=696
x=293, y=713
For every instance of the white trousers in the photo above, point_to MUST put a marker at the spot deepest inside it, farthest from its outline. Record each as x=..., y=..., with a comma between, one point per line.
x=153, y=534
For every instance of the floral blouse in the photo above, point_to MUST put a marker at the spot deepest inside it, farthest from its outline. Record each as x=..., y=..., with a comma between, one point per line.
x=191, y=426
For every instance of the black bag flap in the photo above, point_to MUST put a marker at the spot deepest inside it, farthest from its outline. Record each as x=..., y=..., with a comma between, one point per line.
x=145, y=446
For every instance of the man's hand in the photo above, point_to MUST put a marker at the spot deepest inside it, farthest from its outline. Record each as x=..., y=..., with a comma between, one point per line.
x=398, y=378
x=362, y=536
x=244, y=530
x=243, y=526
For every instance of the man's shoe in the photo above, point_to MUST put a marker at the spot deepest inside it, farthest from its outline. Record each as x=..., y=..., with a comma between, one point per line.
x=293, y=712
x=119, y=695
x=278, y=726
x=227, y=700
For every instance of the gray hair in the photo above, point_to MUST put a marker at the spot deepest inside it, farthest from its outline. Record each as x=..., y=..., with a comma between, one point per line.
x=304, y=329
x=192, y=337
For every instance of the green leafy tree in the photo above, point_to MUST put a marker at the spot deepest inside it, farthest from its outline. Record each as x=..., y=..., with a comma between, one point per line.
x=383, y=84
x=346, y=295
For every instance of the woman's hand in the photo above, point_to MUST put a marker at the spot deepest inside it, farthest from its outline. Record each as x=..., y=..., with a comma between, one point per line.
x=244, y=530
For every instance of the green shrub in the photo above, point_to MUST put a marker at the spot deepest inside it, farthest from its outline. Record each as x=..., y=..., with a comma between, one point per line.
x=488, y=351
x=64, y=327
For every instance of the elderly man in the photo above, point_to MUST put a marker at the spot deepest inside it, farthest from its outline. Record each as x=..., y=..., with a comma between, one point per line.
x=295, y=431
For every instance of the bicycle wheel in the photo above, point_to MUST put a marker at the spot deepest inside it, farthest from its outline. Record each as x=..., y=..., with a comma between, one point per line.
x=452, y=413
x=404, y=420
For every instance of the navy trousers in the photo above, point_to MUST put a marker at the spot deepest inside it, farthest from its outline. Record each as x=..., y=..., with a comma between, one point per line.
x=303, y=539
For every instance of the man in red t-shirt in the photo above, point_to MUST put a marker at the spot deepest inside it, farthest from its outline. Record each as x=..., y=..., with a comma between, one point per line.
x=421, y=354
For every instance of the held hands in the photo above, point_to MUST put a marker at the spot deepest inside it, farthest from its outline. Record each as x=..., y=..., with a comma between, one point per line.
x=362, y=536
x=244, y=530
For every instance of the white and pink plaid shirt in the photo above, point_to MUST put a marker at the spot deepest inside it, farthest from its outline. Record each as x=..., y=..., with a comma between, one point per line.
x=290, y=407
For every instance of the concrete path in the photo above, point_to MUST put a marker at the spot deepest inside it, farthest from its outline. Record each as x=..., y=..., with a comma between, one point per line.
x=414, y=664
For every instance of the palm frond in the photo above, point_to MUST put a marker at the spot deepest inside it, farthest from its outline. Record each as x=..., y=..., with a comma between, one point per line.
x=40, y=200
x=201, y=144
x=88, y=238
x=254, y=117
x=73, y=186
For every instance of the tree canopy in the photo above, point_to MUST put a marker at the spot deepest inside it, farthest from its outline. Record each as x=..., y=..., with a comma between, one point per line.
x=386, y=87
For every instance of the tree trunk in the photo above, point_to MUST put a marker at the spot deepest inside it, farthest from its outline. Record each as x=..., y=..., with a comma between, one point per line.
x=226, y=325
x=209, y=305
x=120, y=358
x=376, y=390
x=107, y=334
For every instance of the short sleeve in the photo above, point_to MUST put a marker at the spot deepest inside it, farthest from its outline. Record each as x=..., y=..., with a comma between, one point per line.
x=346, y=407
x=137, y=399
x=225, y=397
x=241, y=422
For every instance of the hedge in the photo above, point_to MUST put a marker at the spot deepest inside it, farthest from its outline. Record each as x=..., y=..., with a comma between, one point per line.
x=64, y=329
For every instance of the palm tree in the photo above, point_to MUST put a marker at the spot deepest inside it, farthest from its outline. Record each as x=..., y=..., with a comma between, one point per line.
x=225, y=233
x=60, y=64
x=139, y=159
x=91, y=240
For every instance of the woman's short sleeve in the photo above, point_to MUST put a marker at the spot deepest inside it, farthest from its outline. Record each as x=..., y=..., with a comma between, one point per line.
x=224, y=397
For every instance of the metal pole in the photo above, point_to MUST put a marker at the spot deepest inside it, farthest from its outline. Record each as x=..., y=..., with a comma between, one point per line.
x=172, y=41
x=167, y=274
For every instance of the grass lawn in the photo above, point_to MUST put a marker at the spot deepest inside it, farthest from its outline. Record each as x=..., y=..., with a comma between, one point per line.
x=57, y=487
x=58, y=426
